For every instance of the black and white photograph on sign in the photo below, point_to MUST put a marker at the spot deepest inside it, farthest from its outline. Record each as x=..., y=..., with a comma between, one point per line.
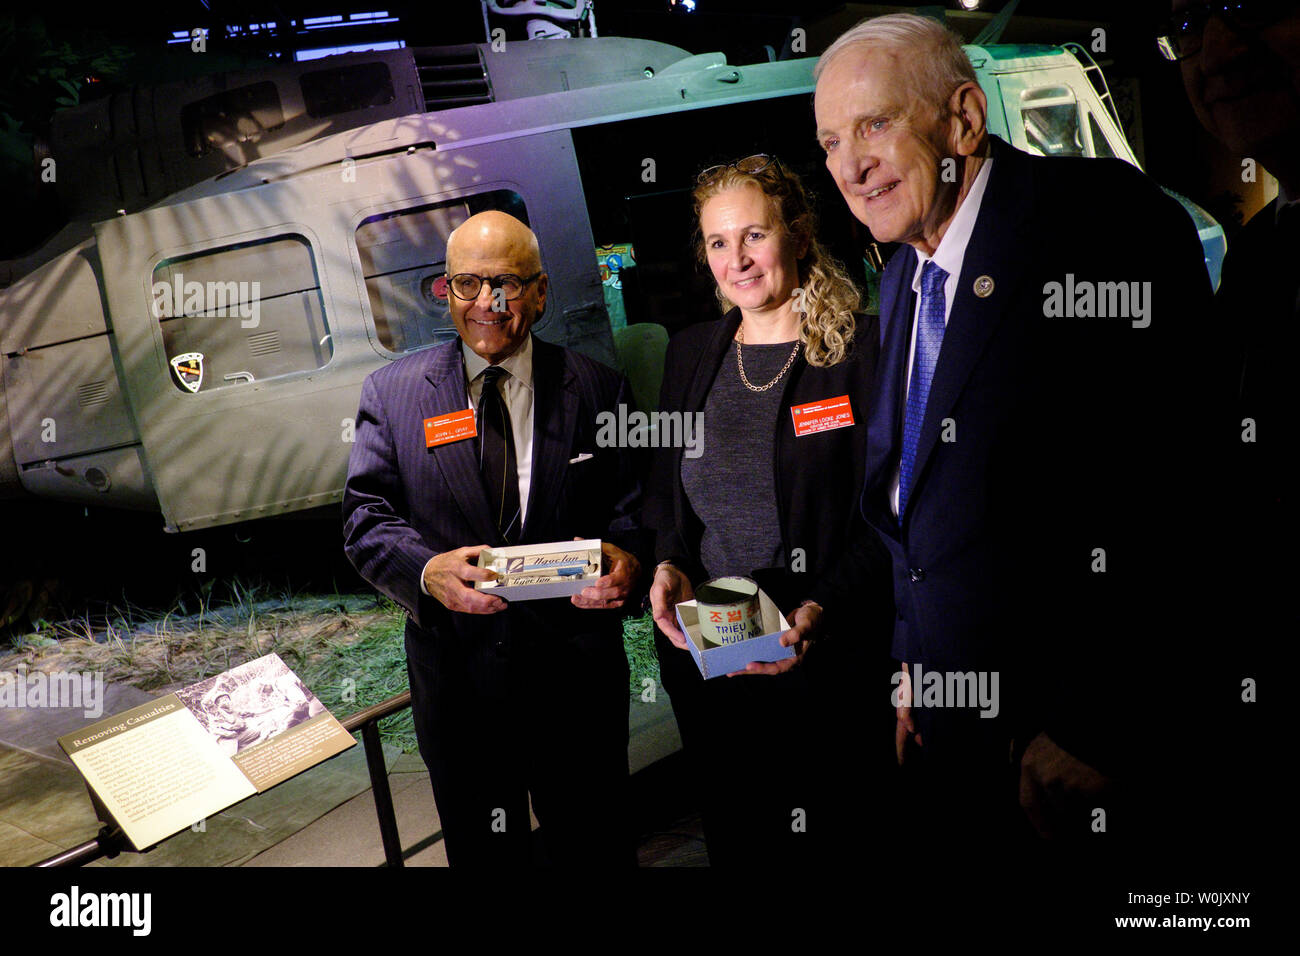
x=250, y=704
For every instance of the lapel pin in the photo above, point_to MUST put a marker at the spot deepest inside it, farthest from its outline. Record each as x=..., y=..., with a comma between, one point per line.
x=984, y=286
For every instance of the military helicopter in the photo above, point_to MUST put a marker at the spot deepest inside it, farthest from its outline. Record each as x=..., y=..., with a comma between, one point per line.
x=280, y=235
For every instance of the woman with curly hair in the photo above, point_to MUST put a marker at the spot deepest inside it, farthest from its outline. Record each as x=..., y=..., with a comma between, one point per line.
x=772, y=496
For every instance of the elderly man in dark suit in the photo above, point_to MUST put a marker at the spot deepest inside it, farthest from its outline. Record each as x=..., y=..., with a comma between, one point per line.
x=1030, y=452
x=511, y=700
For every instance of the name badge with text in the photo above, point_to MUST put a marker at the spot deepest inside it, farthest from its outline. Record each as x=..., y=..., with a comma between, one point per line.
x=822, y=416
x=454, y=426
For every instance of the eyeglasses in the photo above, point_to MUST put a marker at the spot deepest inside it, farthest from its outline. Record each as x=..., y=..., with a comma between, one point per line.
x=466, y=285
x=750, y=164
x=1180, y=37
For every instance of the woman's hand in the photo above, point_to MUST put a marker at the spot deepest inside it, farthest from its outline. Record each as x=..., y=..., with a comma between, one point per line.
x=805, y=621
x=669, y=589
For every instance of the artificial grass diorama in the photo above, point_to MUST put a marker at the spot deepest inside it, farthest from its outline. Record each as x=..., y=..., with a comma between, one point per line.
x=347, y=648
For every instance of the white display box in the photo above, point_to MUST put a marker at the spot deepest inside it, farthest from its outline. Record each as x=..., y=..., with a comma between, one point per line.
x=568, y=553
x=717, y=661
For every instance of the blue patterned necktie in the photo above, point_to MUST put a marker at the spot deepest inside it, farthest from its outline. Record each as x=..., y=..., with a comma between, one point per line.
x=929, y=337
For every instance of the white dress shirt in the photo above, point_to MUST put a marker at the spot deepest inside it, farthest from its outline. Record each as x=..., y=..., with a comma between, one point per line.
x=517, y=388
x=948, y=256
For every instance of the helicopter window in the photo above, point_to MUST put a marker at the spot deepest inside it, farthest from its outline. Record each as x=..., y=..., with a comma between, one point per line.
x=403, y=255
x=339, y=90
x=231, y=120
x=241, y=313
x=1100, y=145
x=1051, y=117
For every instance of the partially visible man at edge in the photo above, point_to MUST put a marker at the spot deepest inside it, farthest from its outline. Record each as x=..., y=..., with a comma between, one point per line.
x=1241, y=72
x=1031, y=462
x=519, y=699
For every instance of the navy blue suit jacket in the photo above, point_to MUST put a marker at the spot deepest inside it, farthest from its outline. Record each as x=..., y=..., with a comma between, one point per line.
x=1068, y=435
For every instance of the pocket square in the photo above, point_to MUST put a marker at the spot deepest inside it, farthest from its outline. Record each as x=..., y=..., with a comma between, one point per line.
x=581, y=458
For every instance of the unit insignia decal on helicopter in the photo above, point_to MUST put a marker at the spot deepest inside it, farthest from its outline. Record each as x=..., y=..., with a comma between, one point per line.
x=188, y=367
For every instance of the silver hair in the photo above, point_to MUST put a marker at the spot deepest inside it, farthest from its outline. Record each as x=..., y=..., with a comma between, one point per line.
x=944, y=65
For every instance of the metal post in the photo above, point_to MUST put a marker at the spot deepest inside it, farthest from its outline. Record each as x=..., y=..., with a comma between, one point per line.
x=383, y=796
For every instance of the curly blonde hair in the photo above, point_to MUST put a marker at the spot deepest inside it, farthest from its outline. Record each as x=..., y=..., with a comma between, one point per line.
x=827, y=324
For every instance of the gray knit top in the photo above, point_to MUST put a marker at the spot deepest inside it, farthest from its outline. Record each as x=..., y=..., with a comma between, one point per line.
x=731, y=486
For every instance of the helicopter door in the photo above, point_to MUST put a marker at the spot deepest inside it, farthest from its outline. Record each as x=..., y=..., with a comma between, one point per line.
x=224, y=331
x=245, y=322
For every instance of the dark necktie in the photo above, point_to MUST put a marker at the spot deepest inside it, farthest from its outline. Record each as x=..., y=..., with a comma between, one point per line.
x=497, y=455
x=929, y=338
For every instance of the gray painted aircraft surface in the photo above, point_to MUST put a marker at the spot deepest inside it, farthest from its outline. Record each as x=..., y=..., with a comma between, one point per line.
x=201, y=354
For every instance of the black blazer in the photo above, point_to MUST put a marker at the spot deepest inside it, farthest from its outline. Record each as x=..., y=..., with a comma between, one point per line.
x=1258, y=306
x=818, y=476
x=1071, y=435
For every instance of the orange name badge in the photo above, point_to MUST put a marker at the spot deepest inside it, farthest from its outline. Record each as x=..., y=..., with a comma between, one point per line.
x=455, y=426
x=823, y=416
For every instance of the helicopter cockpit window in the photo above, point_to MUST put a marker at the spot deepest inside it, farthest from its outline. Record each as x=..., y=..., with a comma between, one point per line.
x=1051, y=116
x=232, y=121
x=403, y=256
x=1100, y=145
x=241, y=313
x=345, y=88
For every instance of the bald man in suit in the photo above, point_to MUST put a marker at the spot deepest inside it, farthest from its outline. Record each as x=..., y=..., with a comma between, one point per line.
x=512, y=700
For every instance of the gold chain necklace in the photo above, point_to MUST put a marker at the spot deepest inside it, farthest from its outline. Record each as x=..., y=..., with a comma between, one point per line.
x=740, y=363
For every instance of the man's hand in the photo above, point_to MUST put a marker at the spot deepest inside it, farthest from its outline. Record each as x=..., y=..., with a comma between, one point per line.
x=669, y=589
x=449, y=578
x=1057, y=790
x=806, y=620
x=903, y=727
x=611, y=589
